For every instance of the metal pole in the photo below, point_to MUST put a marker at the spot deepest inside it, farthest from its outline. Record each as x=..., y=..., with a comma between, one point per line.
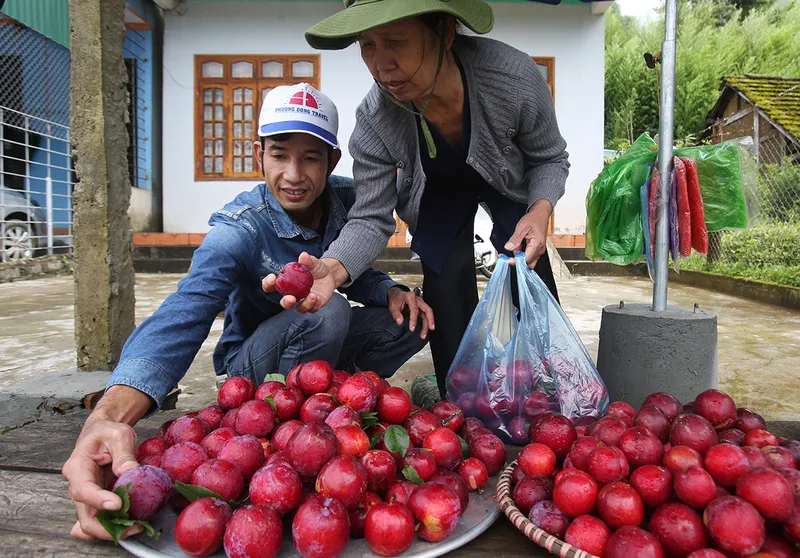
x=665, y=138
x=27, y=124
x=28, y=181
x=2, y=183
x=49, y=192
x=48, y=182
x=70, y=187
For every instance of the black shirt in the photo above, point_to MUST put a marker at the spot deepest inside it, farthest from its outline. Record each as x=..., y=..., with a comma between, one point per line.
x=452, y=192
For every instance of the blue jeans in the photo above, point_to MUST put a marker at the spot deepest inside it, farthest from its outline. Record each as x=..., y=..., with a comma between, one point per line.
x=351, y=338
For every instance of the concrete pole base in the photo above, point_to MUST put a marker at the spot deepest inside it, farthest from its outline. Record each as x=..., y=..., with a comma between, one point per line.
x=642, y=352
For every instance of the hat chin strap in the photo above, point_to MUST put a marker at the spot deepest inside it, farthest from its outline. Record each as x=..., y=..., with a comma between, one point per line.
x=426, y=131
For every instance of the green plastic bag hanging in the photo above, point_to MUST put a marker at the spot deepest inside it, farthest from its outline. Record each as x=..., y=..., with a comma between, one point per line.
x=728, y=176
x=726, y=183
x=613, y=206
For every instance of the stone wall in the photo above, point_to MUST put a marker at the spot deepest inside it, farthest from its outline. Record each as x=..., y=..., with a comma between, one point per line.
x=35, y=268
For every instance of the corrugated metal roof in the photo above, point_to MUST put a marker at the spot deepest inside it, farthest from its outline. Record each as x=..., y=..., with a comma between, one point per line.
x=48, y=17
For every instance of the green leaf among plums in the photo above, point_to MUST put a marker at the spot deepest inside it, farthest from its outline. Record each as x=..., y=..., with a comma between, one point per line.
x=369, y=419
x=123, y=492
x=375, y=439
x=193, y=492
x=111, y=524
x=464, y=447
x=396, y=439
x=410, y=473
x=239, y=503
x=117, y=522
x=274, y=378
x=271, y=401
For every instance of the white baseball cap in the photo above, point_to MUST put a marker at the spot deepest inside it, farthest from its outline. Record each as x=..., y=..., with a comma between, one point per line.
x=299, y=109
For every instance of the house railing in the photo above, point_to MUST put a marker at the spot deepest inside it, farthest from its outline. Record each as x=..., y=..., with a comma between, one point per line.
x=36, y=185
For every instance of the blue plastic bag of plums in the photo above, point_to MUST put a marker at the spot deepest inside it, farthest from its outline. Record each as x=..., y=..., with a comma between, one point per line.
x=521, y=358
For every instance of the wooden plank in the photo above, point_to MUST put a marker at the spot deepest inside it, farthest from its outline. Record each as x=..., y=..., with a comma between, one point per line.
x=35, y=503
x=36, y=515
x=46, y=444
x=501, y=540
x=22, y=545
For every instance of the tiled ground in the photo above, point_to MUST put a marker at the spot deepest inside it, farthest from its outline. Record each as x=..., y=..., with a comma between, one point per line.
x=759, y=345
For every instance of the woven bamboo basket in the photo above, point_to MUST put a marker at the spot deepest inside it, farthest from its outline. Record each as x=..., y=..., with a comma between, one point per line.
x=550, y=543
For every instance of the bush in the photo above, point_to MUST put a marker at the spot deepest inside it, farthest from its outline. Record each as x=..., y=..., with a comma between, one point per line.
x=764, y=245
x=769, y=252
x=779, y=192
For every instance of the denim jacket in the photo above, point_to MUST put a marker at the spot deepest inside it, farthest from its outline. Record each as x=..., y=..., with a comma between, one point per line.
x=252, y=236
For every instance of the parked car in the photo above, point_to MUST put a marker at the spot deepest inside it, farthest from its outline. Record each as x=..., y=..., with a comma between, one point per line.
x=23, y=225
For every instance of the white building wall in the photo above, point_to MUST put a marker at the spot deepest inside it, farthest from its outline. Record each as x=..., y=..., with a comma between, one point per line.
x=571, y=34
x=576, y=38
x=141, y=209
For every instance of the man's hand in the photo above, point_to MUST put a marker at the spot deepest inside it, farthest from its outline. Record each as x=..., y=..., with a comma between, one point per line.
x=329, y=274
x=532, y=229
x=399, y=300
x=103, y=451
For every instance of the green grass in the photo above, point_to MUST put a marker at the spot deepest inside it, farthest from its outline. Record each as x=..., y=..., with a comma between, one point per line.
x=769, y=253
x=788, y=276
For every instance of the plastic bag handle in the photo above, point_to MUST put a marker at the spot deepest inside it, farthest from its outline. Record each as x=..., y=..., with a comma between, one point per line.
x=532, y=307
x=503, y=326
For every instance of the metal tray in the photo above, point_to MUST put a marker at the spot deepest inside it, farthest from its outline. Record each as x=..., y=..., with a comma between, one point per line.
x=481, y=512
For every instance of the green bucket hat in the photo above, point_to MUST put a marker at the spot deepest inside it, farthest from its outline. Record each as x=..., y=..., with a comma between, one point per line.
x=343, y=28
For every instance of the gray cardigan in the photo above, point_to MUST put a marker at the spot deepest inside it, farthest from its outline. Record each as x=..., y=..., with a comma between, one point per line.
x=515, y=145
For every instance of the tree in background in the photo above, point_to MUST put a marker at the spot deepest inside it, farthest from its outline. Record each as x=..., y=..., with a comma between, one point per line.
x=716, y=38
x=631, y=99
x=724, y=11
